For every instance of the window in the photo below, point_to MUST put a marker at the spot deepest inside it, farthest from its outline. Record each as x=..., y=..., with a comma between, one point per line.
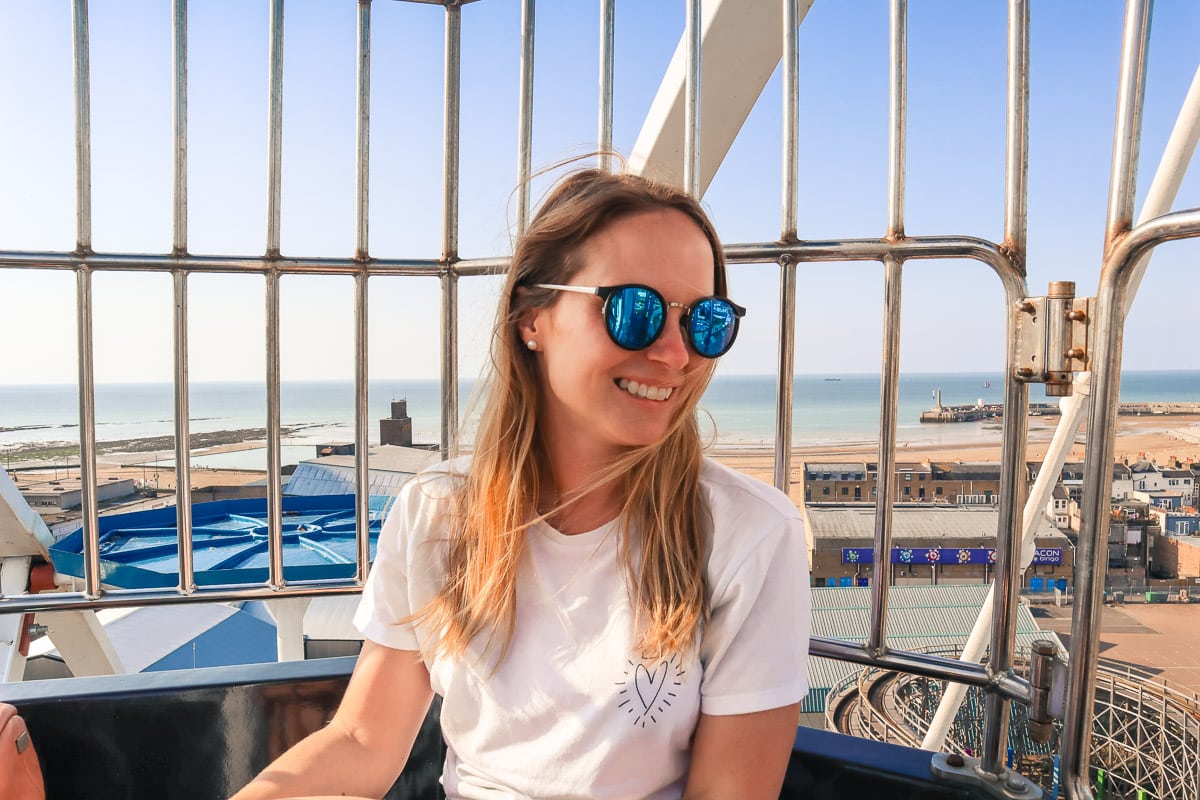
x=824, y=490
x=937, y=490
x=908, y=490
x=920, y=477
x=845, y=491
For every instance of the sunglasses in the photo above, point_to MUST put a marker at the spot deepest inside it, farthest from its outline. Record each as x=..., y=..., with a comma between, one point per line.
x=634, y=316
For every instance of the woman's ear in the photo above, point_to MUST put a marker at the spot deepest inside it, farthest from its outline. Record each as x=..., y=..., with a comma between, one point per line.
x=529, y=319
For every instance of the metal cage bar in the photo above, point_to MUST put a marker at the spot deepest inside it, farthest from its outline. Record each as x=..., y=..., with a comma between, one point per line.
x=450, y=184
x=1106, y=361
x=691, y=107
x=785, y=389
x=525, y=113
x=605, y=120
x=83, y=298
x=893, y=270
x=179, y=282
x=362, y=214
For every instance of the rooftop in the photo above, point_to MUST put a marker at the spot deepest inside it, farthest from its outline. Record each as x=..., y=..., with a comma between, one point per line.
x=911, y=522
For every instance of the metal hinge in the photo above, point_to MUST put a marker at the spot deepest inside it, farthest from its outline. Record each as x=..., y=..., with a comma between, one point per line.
x=1052, y=337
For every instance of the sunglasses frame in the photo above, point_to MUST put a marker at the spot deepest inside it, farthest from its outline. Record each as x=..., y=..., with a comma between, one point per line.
x=606, y=293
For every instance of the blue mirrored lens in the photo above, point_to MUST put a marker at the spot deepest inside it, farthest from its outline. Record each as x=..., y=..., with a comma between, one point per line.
x=634, y=317
x=713, y=326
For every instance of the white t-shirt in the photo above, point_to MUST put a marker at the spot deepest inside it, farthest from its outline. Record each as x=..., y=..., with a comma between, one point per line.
x=571, y=711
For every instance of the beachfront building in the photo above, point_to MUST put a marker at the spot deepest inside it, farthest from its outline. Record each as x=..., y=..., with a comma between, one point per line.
x=1147, y=477
x=1058, y=508
x=391, y=466
x=932, y=544
x=1159, y=498
x=916, y=482
x=956, y=482
x=1178, y=556
x=1182, y=481
x=1176, y=521
x=54, y=495
x=1071, y=480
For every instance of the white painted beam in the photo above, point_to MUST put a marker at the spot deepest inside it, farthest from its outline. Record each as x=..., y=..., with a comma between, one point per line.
x=741, y=45
x=22, y=531
x=14, y=578
x=288, y=614
x=82, y=642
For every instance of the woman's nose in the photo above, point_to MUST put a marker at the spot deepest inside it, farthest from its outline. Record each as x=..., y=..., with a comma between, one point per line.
x=669, y=348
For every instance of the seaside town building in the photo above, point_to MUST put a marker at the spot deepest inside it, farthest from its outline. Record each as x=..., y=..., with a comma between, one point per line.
x=952, y=482
x=932, y=544
x=54, y=495
x=916, y=482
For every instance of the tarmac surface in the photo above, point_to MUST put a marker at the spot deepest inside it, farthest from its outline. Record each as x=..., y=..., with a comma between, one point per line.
x=1163, y=639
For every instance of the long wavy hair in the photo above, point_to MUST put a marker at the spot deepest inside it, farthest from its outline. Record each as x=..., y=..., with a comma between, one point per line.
x=663, y=518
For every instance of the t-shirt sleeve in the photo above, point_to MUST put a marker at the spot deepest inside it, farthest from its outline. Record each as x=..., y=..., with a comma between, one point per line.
x=386, y=599
x=755, y=650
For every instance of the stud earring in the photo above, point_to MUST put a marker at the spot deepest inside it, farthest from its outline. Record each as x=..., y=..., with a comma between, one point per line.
x=531, y=344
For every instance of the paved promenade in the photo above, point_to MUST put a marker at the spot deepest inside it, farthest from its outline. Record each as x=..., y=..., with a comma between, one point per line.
x=1163, y=639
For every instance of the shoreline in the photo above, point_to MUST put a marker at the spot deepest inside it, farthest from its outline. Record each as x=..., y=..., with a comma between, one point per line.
x=1160, y=439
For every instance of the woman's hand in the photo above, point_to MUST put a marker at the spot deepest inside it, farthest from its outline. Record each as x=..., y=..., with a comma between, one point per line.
x=364, y=748
x=742, y=756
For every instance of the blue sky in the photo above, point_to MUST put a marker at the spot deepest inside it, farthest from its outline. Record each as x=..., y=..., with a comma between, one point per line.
x=953, y=317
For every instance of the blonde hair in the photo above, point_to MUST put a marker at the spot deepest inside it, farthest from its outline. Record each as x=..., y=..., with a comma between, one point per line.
x=663, y=518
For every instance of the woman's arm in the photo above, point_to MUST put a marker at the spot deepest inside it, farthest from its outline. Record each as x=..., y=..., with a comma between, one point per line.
x=364, y=748
x=742, y=756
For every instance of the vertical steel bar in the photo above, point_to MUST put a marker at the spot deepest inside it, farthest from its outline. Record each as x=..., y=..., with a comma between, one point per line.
x=83, y=129
x=450, y=168
x=83, y=302
x=890, y=354
x=1013, y=485
x=1016, y=195
x=791, y=115
x=1109, y=322
x=362, y=465
x=525, y=115
x=179, y=246
x=183, y=465
x=274, y=127
x=691, y=108
x=363, y=130
x=898, y=113
x=1128, y=129
x=87, y=433
x=607, y=36
x=1008, y=550
x=785, y=388
x=274, y=471
x=274, y=185
x=889, y=396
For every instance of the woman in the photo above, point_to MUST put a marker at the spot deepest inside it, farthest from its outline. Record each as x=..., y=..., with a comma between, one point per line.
x=604, y=612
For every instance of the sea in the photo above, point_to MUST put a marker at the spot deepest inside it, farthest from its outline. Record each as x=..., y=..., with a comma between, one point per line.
x=739, y=410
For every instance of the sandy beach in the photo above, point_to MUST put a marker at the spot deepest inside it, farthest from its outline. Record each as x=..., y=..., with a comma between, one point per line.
x=1158, y=438
x=1163, y=440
